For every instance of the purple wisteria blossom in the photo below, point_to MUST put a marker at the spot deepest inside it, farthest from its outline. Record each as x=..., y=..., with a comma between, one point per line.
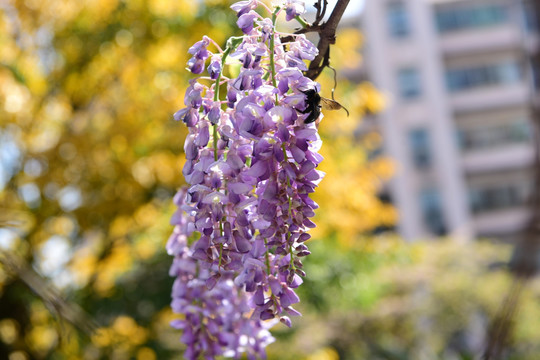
x=293, y=9
x=242, y=7
x=245, y=21
x=216, y=322
x=200, y=54
x=251, y=163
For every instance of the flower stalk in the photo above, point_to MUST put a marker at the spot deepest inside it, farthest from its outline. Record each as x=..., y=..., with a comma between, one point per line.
x=246, y=205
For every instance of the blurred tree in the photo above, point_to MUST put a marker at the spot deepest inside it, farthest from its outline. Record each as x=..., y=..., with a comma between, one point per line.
x=386, y=299
x=90, y=159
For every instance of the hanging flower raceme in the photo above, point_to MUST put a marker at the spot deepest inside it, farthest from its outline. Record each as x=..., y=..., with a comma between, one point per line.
x=251, y=163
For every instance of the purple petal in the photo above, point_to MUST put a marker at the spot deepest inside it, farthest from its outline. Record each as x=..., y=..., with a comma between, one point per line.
x=285, y=320
x=257, y=169
x=275, y=285
x=242, y=244
x=240, y=188
x=258, y=297
x=267, y=315
x=245, y=22
x=288, y=297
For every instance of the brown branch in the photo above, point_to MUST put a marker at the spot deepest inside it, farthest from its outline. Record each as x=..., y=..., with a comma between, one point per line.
x=527, y=252
x=503, y=323
x=321, y=7
x=327, y=36
x=69, y=311
x=525, y=260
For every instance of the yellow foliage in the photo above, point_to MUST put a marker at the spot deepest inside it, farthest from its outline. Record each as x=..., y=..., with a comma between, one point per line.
x=349, y=205
x=370, y=98
x=88, y=93
x=347, y=195
x=83, y=266
x=124, y=333
x=145, y=248
x=38, y=313
x=118, y=262
x=145, y=215
x=3, y=278
x=100, y=8
x=42, y=338
x=146, y=353
x=61, y=225
x=125, y=326
x=163, y=319
x=168, y=52
x=121, y=226
x=18, y=355
x=324, y=354
x=8, y=331
x=180, y=8
x=346, y=53
x=164, y=165
x=103, y=337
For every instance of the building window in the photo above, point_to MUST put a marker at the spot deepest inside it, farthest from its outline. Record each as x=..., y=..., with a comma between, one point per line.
x=530, y=23
x=409, y=84
x=431, y=206
x=535, y=75
x=456, y=18
x=398, y=19
x=420, y=148
x=499, y=197
x=517, y=132
x=482, y=75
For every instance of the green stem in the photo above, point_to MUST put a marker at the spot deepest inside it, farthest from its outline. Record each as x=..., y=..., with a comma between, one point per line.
x=220, y=254
x=215, y=135
x=220, y=245
x=291, y=262
x=267, y=257
x=288, y=181
x=272, y=48
x=232, y=43
x=289, y=211
x=216, y=98
x=301, y=21
x=223, y=58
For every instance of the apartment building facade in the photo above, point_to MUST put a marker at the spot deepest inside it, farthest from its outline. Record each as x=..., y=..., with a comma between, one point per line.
x=457, y=121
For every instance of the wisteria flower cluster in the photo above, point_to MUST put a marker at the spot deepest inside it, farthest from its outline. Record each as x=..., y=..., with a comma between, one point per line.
x=251, y=163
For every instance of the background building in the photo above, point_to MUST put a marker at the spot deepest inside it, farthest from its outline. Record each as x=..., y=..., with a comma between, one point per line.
x=457, y=120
